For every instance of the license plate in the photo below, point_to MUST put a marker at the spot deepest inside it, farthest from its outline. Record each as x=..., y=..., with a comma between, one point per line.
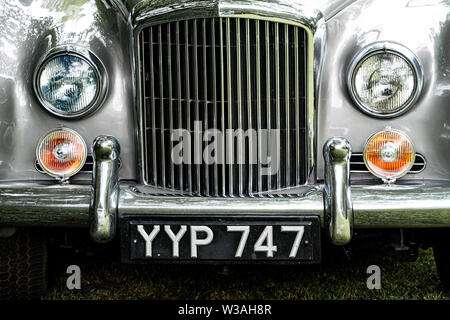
x=276, y=239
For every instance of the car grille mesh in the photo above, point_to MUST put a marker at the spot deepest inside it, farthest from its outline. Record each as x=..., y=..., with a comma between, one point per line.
x=228, y=73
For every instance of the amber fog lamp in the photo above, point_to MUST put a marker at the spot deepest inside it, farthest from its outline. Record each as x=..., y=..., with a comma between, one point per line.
x=389, y=154
x=61, y=153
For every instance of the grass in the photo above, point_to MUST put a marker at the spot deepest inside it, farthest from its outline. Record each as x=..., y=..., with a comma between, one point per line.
x=334, y=279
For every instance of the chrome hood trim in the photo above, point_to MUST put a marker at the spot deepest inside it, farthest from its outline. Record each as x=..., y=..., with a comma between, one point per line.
x=304, y=12
x=305, y=9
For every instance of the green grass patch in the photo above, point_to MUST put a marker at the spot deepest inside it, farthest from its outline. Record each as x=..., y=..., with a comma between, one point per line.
x=335, y=279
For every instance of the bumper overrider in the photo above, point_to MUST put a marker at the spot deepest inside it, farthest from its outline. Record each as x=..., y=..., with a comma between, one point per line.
x=340, y=206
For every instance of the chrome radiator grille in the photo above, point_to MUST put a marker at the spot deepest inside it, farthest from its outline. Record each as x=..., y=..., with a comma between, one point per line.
x=228, y=73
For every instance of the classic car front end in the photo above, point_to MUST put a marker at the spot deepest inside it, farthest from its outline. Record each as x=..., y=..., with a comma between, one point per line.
x=223, y=131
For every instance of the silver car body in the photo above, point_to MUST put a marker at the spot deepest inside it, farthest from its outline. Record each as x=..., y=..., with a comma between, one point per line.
x=31, y=28
x=341, y=29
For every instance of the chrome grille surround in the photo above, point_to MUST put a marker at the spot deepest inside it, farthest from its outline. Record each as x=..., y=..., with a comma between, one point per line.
x=252, y=187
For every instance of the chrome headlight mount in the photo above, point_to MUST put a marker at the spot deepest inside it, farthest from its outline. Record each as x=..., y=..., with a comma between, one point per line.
x=388, y=78
x=82, y=61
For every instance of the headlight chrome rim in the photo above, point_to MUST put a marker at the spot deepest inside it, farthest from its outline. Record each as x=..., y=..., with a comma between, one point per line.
x=393, y=178
x=92, y=60
x=72, y=173
x=395, y=49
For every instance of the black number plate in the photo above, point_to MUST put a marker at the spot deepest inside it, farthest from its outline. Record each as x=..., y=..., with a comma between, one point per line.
x=278, y=239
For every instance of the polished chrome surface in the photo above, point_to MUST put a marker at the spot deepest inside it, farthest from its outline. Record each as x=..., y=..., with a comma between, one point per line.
x=93, y=61
x=179, y=82
x=306, y=12
x=248, y=77
x=44, y=204
x=329, y=8
x=135, y=200
x=239, y=102
x=413, y=204
x=337, y=192
x=105, y=189
x=258, y=101
x=160, y=156
x=408, y=204
x=297, y=105
x=268, y=91
x=357, y=164
x=242, y=106
x=388, y=47
x=287, y=145
x=87, y=168
x=229, y=99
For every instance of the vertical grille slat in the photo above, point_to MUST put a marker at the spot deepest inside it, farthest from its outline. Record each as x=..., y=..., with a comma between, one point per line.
x=268, y=103
x=169, y=74
x=297, y=106
x=144, y=75
x=197, y=147
x=239, y=158
x=205, y=97
x=277, y=90
x=249, y=102
x=227, y=74
x=214, y=97
x=230, y=154
x=258, y=104
x=188, y=100
x=153, y=111
x=179, y=97
x=161, y=104
x=222, y=94
x=287, y=106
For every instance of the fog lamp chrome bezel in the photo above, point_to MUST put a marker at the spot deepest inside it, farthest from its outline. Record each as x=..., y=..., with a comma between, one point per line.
x=92, y=60
x=393, y=178
x=395, y=49
x=62, y=177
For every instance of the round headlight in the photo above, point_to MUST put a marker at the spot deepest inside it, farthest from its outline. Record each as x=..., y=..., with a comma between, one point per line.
x=385, y=79
x=389, y=154
x=61, y=153
x=70, y=84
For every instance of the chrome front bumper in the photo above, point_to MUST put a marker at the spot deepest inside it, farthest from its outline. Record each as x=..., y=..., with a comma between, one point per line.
x=341, y=207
